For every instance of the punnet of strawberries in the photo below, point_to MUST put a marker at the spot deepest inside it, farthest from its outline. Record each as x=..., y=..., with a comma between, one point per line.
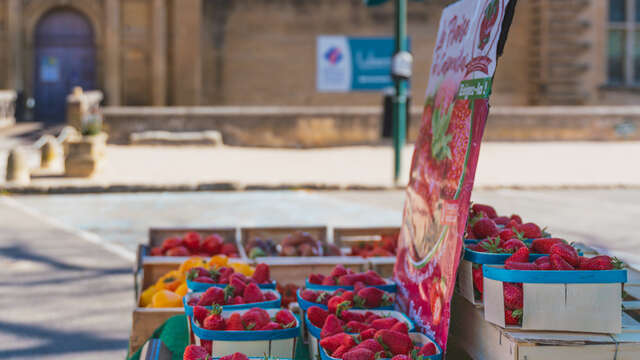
x=287, y=293
x=254, y=319
x=362, y=297
x=226, y=275
x=341, y=276
x=193, y=244
x=230, y=295
x=385, y=247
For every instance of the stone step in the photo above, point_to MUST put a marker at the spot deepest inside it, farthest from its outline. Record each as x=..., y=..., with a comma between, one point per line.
x=211, y=138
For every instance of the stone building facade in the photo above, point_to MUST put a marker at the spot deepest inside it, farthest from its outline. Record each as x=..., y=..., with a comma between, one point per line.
x=262, y=52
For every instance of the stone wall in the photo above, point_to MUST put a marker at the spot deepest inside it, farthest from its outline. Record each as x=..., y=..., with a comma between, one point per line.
x=342, y=126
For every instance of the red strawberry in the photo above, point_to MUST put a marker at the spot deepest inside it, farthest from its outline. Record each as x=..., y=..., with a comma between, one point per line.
x=368, y=334
x=268, y=296
x=229, y=249
x=255, y=318
x=400, y=327
x=602, y=262
x=384, y=323
x=369, y=317
x=212, y=244
x=193, y=301
x=395, y=342
x=355, y=327
x=372, y=278
x=309, y=295
x=521, y=255
x=516, y=218
x=358, y=285
x=207, y=344
x=195, y=352
x=347, y=316
x=428, y=349
x=478, y=280
x=192, y=241
x=340, y=351
x=214, y=321
x=507, y=234
x=236, y=300
x=543, y=245
x=541, y=260
x=371, y=297
x=156, y=251
x=558, y=263
x=329, y=281
x=198, y=271
x=170, y=243
x=235, y=356
x=317, y=316
x=515, y=265
x=359, y=354
x=370, y=344
x=567, y=252
x=333, y=342
x=512, y=224
x=286, y=318
x=261, y=275
x=200, y=313
x=213, y=295
x=204, y=279
x=487, y=209
x=271, y=326
x=178, y=251
x=252, y=294
x=225, y=275
x=399, y=357
x=337, y=304
x=338, y=271
x=513, y=317
x=529, y=230
x=485, y=228
x=348, y=295
x=501, y=220
x=234, y=322
x=331, y=326
x=346, y=280
x=238, y=284
x=513, y=296
x=512, y=245
x=316, y=278
x=545, y=265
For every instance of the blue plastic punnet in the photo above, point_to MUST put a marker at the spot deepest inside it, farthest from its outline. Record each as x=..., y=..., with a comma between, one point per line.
x=304, y=304
x=499, y=273
x=418, y=339
x=256, y=335
x=264, y=304
x=315, y=331
x=390, y=286
x=196, y=286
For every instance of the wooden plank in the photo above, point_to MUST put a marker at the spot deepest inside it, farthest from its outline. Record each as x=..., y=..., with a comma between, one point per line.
x=158, y=234
x=146, y=321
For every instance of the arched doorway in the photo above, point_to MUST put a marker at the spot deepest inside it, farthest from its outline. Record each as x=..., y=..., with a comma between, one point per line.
x=64, y=58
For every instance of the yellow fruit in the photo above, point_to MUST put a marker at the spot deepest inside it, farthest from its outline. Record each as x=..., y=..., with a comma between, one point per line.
x=145, y=297
x=182, y=289
x=170, y=280
x=192, y=262
x=243, y=268
x=218, y=261
x=166, y=298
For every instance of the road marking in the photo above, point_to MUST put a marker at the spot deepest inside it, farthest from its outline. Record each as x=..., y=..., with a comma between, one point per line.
x=116, y=249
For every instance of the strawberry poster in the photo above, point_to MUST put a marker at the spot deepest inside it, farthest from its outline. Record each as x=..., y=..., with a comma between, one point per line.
x=469, y=38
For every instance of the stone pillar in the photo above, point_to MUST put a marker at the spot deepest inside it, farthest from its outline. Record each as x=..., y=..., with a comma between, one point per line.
x=159, y=65
x=187, y=57
x=17, y=168
x=112, y=51
x=14, y=26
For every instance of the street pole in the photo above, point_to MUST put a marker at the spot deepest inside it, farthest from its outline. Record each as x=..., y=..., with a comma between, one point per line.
x=400, y=97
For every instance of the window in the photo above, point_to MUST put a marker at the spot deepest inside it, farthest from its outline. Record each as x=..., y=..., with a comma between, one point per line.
x=623, y=53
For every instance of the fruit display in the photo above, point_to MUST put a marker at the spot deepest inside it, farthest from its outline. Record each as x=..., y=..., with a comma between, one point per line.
x=385, y=247
x=202, y=278
x=287, y=293
x=383, y=345
x=298, y=243
x=341, y=277
x=192, y=244
x=484, y=223
x=361, y=297
x=230, y=296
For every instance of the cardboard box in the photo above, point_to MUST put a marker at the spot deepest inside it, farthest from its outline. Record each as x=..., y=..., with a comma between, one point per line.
x=578, y=300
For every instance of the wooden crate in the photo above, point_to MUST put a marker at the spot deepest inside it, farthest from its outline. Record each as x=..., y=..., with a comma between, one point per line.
x=295, y=270
x=146, y=321
x=345, y=237
x=485, y=341
x=158, y=234
x=278, y=233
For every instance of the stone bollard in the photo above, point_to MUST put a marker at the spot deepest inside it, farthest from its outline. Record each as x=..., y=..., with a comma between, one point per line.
x=67, y=135
x=17, y=168
x=85, y=156
x=49, y=152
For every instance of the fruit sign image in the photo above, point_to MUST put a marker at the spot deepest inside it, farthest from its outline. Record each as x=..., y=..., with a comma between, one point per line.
x=445, y=159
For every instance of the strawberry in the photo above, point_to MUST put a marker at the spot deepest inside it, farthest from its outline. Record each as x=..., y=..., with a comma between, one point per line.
x=516, y=218
x=508, y=234
x=372, y=278
x=398, y=357
x=236, y=300
x=558, y=263
x=204, y=279
x=337, y=304
x=567, y=252
x=369, y=317
x=309, y=295
x=359, y=354
x=252, y=294
x=191, y=241
x=512, y=245
x=316, y=278
x=346, y=280
x=338, y=271
x=428, y=349
x=207, y=344
x=348, y=295
x=515, y=265
x=261, y=275
x=234, y=322
x=370, y=344
x=195, y=352
x=286, y=318
x=317, y=316
x=513, y=317
x=487, y=209
x=235, y=356
x=170, y=243
x=368, y=334
x=371, y=297
x=212, y=244
x=543, y=245
x=491, y=245
x=478, y=280
x=347, y=315
x=501, y=220
x=237, y=284
x=400, y=327
x=198, y=271
x=602, y=262
x=355, y=327
x=178, y=251
x=485, y=228
x=214, y=321
x=200, y=313
x=513, y=296
x=521, y=255
x=229, y=249
x=384, y=323
x=331, y=326
x=529, y=230
x=255, y=318
x=340, y=351
x=358, y=285
x=212, y=295
x=271, y=326
x=545, y=265
x=393, y=341
x=268, y=296
x=329, y=281
x=156, y=251
x=542, y=259
x=333, y=342
x=193, y=301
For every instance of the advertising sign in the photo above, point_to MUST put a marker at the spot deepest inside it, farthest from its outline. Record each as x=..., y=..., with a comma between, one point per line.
x=353, y=63
x=445, y=159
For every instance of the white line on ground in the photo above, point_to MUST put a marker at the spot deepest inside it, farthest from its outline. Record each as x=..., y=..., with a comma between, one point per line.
x=85, y=235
